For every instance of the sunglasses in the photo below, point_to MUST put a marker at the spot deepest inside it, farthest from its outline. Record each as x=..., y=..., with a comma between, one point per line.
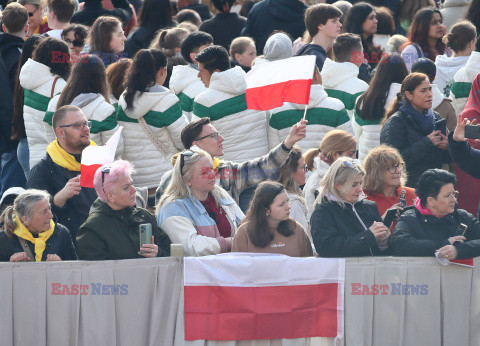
x=187, y=153
x=30, y=14
x=75, y=43
x=105, y=170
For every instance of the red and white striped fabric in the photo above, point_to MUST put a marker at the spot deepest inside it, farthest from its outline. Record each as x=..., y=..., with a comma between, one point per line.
x=93, y=157
x=260, y=296
x=271, y=84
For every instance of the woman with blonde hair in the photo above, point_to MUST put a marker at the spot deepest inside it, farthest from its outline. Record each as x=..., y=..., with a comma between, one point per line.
x=344, y=223
x=292, y=176
x=335, y=144
x=29, y=233
x=385, y=179
x=243, y=52
x=196, y=212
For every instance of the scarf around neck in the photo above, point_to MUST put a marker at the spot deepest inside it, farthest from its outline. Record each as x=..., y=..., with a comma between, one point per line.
x=40, y=243
x=425, y=120
x=62, y=158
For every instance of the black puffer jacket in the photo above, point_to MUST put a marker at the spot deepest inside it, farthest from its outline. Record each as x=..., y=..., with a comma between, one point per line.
x=337, y=231
x=403, y=133
x=269, y=15
x=60, y=244
x=421, y=235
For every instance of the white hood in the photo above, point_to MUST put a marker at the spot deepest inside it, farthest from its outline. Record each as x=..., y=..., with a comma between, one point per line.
x=392, y=94
x=438, y=96
x=450, y=65
x=231, y=81
x=93, y=106
x=334, y=73
x=182, y=77
x=145, y=102
x=454, y=3
x=34, y=75
x=473, y=65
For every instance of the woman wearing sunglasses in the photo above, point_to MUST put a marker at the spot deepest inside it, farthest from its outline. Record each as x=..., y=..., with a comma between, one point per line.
x=292, y=176
x=344, y=223
x=75, y=36
x=112, y=229
x=436, y=226
x=196, y=212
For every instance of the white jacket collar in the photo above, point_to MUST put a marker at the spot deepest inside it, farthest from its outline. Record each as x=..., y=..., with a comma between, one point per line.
x=34, y=74
x=144, y=102
x=438, y=96
x=473, y=65
x=334, y=73
x=231, y=81
x=182, y=77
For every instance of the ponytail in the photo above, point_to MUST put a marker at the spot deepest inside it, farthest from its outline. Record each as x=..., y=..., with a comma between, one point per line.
x=309, y=156
x=7, y=219
x=391, y=110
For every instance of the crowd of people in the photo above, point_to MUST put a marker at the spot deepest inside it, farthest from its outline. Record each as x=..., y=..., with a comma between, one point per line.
x=369, y=167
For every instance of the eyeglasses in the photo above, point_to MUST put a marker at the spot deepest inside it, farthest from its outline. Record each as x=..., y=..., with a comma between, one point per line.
x=214, y=135
x=105, y=170
x=80, y=126
x=30, y=14
x=187, y=153
x=398, y=167
x=75, y=43
x=305, y=168
x=453, y=194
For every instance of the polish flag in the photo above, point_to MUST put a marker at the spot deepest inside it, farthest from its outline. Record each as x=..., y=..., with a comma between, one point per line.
x=261, y=296
x=270, y=84
x=93, y=157
x=463, y=262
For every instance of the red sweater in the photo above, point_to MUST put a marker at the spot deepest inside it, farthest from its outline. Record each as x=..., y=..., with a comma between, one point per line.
x=384, y=203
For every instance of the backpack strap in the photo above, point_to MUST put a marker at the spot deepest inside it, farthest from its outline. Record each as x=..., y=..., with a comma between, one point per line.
x=26, y=248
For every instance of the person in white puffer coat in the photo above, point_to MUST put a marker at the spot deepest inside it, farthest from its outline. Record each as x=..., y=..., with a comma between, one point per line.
x=244, y=130
x=453, y=10
x=87, y=89
x=335, y=144
x=42, y=78
x=461, y=40
x=340, y=77
x=145, y=99
x=370, y=107
x=462, y=82
x=324, y=114
x=184, y=81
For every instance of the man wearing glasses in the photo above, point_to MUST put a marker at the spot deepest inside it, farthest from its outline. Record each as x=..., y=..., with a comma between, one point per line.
x=59, y=171
x=234, y=177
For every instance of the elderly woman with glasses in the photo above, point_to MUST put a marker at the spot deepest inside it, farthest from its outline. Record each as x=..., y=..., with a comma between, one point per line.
x=435, y=225
x=196, y=212
x=344, y=223
x=385, y=179
x=112, y=229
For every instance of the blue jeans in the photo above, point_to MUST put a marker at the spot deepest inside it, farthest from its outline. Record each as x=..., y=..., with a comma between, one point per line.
x=23, y=155
x=11, y=173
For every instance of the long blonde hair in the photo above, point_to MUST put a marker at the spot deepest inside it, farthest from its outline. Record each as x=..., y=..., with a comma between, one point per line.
x=342, y=172
x=178, y=187
x=376, y=164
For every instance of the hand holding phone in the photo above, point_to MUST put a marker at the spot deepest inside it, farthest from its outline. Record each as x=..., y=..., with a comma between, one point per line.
x=390, y=216
x=441, y=125
x=472, y=131
x=145, y=235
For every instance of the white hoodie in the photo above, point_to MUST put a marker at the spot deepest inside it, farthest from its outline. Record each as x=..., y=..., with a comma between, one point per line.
x=452, y=11
x=446, y=69
x=340, y=80
x=37, y=80
x=161, y=110
x=96, y=109
x=324, y=114
x=462, y=82
x=313, y=183
x=244, y=130
x=186, y=85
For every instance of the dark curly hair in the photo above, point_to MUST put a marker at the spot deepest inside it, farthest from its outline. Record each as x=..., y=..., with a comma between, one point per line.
x=54, y=53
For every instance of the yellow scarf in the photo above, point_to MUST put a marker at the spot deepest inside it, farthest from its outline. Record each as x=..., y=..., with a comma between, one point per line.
x=22, y=232
x=62, y=158
x=216, y=162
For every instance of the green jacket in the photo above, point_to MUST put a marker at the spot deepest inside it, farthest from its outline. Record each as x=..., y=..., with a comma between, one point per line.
x=109, y=234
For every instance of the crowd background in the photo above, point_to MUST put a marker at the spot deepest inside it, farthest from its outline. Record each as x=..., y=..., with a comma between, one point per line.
x=395, y=84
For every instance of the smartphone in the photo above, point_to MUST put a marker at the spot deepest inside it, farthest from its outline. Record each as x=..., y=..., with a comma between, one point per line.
x=145, y=234
x=463, y=228
x=390, y=216
x=472, y=131
x=441, y=125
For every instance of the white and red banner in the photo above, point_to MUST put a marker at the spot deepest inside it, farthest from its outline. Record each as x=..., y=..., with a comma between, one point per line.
x=270, y=84
x=261, y=296
x=93, y=157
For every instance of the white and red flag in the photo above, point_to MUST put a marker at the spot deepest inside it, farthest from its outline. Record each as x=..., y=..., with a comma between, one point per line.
x=260, y=296
x=93, y=157
x=271, y=84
